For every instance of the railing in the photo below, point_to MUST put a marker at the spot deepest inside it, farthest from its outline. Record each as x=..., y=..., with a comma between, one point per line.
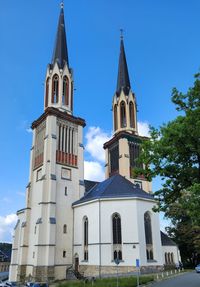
x=38, y=160
x=66, y=158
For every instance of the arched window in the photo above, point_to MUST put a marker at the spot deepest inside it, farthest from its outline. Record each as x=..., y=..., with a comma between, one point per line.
x=169, y=258
x=65, y=91
x=172, y=258
x=55, y=89
x=123, y=115
x=115, y=118
x=64, y=228
x=131, y=115
x=166, y=258
x=85, y=223
x=117, y=236
x=148, y=235
x=47, y=93
x=72, y=95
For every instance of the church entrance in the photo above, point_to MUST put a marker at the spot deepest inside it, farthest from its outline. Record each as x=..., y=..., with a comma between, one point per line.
x=76, y=265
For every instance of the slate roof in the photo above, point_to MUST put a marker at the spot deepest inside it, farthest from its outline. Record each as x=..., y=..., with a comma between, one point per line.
x=114, y=187
x=89, y=184
x=5, y=255
x=166, y=240
x=60, y=54
x=123, y=82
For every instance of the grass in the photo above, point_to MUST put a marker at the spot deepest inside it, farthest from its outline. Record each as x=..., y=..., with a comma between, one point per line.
x=109, y=282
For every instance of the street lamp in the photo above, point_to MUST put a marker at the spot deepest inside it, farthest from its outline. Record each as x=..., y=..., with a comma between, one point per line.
x=117, y=263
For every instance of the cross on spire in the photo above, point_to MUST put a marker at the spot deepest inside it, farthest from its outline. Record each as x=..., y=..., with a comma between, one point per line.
x=121, y=34
x=62, y=4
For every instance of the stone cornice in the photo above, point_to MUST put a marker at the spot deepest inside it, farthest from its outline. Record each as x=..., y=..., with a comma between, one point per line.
x=50, y=111
x=123, y=134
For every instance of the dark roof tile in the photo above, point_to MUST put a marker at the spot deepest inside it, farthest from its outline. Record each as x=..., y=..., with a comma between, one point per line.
x=166, y=240
x=114, y=187
x=89, y=184
x=60, y=54
x=123, y=82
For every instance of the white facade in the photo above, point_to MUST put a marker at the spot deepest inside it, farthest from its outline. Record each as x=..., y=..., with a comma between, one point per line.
x=171, y=255
x=39, y=239
x=100, y=245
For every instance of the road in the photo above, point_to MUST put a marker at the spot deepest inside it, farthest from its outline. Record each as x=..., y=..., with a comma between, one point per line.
x=190, y=279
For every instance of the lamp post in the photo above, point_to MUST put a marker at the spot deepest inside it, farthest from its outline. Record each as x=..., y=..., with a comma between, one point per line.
x=117, y=263
x=138, y=271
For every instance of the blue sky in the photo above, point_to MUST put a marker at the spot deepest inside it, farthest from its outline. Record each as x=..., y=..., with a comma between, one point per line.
x=162, y=46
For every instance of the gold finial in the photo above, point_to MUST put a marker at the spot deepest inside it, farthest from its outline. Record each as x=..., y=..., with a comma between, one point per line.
x=122, y=34
x=62, y=4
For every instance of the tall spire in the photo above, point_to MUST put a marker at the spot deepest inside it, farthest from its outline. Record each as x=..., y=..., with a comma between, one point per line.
x=60, y=54
x=123, y=82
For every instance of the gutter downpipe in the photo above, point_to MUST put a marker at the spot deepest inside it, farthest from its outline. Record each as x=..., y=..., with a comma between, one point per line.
x=99, y=239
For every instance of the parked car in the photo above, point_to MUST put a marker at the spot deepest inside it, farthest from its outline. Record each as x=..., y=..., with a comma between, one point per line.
x=197, y=268
x=40, y=284
x=11, y=284
x=2, y=284
x=30, y=284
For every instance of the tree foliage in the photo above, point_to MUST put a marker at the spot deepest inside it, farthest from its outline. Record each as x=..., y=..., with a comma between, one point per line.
x=173, y=152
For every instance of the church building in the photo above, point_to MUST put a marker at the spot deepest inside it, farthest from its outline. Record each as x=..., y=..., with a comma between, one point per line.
x=72, y=225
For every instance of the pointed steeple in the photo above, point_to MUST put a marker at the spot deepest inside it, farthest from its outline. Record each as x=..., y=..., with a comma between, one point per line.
x=123, y=82
x=60, y=54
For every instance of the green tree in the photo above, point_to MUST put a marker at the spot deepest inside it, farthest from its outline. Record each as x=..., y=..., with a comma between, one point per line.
x=173, y=152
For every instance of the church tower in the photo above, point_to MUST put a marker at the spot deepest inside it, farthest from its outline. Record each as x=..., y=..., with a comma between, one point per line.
x=43, y=239
x=123, y=149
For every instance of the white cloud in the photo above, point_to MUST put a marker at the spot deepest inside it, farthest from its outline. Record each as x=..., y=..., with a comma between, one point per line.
x=6, y=199
x=7, y=224
x=143, y=129
x=29, y=130
x=93, y=171
x=21, y=193
x=95, y=139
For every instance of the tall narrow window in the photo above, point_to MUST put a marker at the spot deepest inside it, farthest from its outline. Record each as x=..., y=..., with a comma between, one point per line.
x=131, y=115
x=69, y=141
x=59, y=136
x=64, y=228
x=166, y=258
x=134, y=152
x=63, y=137
x=123, y=115
x=148, y=236
x=55, y=89
x=117, y=236
x=72, y=141
x=169, y=258
x=64, y=254
x=47, y=93
x=114, y=159
x=72, y=95
x=172, y=258
x=66, y=130
x=115, y=118
x=85, y=222
x=65, y=91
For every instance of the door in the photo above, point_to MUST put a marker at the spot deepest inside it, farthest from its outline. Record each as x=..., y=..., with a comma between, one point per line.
x=76, y=264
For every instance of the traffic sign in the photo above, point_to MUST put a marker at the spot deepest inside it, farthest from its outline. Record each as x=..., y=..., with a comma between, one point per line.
x=137, y=263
